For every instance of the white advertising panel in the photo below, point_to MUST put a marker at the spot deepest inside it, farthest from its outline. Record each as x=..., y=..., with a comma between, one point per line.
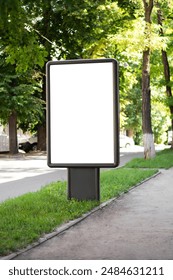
x=82, y=97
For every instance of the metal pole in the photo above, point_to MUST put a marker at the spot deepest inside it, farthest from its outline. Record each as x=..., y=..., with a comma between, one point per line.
x=84, y=183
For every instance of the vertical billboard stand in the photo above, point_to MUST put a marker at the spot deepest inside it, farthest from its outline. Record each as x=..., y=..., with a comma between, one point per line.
x=84, y=183
x=83, y=121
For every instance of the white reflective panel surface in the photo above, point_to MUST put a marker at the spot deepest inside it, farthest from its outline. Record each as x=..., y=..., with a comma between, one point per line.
x=81, y=113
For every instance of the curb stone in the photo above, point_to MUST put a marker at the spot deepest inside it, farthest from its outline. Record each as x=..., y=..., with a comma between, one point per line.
x=59, y=230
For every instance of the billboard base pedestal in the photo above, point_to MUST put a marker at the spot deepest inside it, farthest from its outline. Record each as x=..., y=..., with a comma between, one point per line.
x=84, y=183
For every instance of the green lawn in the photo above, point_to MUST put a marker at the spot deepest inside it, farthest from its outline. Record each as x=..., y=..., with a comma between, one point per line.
x=163, y=159
x=26, y=218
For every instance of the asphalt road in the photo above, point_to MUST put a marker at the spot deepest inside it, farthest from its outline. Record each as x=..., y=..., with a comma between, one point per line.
x=28, y=173
x=25, y=174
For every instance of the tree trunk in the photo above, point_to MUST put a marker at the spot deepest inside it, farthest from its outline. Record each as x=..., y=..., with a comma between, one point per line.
x=41, y=131
x=41, y=135
x=166, y=67
x=130, y=133
x=148, y=141
x=172, y=130
x=13, y=145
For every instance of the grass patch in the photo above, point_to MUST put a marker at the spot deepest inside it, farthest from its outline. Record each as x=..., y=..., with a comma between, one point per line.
x=24, y=219
x=163, y=159
x=115, y=182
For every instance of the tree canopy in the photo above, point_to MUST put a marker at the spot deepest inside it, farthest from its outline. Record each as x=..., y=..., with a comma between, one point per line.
x=33, y=32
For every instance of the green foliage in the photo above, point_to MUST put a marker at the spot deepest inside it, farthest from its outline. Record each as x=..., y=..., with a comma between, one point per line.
x=33, y=32
x=169, y=101
x=160, y=120
x=127, y=44
x=20, y=44
x=19, y=93
x=26, y=57
x=131, y=7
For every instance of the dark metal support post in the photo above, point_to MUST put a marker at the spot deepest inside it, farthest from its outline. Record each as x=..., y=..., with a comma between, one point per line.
x=84, y=183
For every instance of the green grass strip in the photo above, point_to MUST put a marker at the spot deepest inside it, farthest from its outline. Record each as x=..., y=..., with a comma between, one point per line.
x=26, y=218
x=116, y=182
x=163, y=159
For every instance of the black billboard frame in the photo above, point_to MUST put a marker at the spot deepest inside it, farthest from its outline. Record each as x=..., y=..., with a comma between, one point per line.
x=84, y=178
x=115, y=113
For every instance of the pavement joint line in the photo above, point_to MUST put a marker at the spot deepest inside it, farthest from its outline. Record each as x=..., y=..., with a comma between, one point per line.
x=62, y=228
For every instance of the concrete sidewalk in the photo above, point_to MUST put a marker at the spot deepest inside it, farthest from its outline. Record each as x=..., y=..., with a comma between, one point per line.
x=138, y=225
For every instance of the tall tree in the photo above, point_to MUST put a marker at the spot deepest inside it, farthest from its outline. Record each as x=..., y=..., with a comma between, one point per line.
x=19, y=105
x=166, y=67
x=35, y=31
x=20, y=53
x=149, y=149
x=131, y=41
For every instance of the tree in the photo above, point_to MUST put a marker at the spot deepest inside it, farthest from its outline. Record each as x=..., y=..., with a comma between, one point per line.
x=64, y=29
x=45, y=30
x=149, y=150
x=134, y=44
x=20, y=52
x=19, y=104
x=166, y=67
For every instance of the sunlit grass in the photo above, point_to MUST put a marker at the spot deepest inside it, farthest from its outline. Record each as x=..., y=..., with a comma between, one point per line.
x=163, y=159
x=26, y=218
